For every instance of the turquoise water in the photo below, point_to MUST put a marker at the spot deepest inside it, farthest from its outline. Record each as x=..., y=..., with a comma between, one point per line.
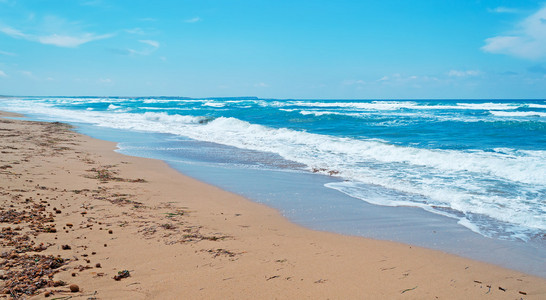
x=481, y=163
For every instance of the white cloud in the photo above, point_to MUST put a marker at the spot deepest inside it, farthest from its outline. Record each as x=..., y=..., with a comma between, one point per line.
x=3, y=74
x=136, y=30
x=7, y=53
x=152, y=47
x=261, y=84
x=193, y=20
x=28, y=74
x=527, y=40
x=69, y=41
x=457, y=73
x=353, y=82
x=397, y=77
x=13, y=32
x=152, y=43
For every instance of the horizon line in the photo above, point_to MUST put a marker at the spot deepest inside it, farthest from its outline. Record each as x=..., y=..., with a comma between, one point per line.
x=268, y=98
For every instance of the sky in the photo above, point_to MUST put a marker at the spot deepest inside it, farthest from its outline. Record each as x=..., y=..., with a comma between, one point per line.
x=314, y=49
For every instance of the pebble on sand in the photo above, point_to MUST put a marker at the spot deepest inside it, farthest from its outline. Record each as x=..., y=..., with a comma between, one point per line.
x=74, y=288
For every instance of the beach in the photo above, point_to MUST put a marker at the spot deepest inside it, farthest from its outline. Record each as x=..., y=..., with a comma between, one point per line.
x=168, y=236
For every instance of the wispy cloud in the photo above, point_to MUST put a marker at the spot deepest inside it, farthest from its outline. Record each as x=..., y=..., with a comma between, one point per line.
x=504, y=10
x=13, y=32
x=59, y=40
x=397, y=77
x=151, y=47
x=7, y=53
x=3, y=74
x=193, y=20
x=152, y=43
x=71, y=41
x=136, y=30
x=458, y=73
x=353, y=82
x=261, y=85
x=527, y=40
x=28, y=74
x=105, y=81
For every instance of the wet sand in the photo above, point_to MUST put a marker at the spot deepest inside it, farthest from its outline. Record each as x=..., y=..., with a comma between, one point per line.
x=74, y=212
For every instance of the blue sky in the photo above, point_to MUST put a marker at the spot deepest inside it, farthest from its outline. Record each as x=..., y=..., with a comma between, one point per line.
x=274, y=49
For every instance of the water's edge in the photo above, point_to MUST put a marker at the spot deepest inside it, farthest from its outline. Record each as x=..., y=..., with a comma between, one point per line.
x=303, y=198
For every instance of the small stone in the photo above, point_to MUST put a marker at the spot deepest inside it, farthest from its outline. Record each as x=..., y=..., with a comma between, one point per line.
x=110, y=231
x=74, y=288
x=66, y=247
x=73, y=274
x=98, y=265
x=47, y=294
x=59, y=283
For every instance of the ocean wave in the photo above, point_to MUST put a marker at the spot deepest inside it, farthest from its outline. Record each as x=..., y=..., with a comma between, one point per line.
x=505, y=184
x=317, y=113
x=518, y=113
x=395, y=105
x=300, y=145
x=534, y=105
x=488, y=106
x=214, y=104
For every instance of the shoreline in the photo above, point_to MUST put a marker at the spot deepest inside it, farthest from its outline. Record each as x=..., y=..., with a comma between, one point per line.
x=178, y=236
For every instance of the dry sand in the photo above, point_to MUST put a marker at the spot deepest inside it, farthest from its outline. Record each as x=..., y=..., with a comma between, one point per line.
x=179, y=238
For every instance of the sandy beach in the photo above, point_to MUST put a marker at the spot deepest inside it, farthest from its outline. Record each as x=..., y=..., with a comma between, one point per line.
x=77, y=215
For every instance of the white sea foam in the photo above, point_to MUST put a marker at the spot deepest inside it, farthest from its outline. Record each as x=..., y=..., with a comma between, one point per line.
x=533, y=105
x=394, y=105
x=214, y=104
x=518, y=113
x=488, y=106
x=113, y=107
x=318, y=113
x=376, y=105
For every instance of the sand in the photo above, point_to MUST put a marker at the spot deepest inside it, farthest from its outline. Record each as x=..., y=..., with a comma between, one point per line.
x=83, y=214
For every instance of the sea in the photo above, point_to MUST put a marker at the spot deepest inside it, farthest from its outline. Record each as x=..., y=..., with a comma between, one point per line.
x=436, y=173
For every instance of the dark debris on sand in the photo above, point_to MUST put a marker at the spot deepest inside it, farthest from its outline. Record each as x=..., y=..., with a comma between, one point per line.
x=26, y=274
